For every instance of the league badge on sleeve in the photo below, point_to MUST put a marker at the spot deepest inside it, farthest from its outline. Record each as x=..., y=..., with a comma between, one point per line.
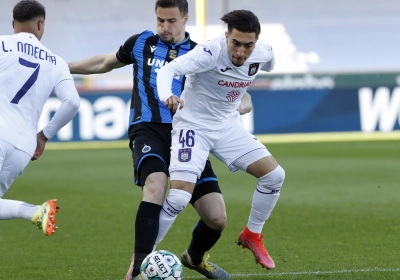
x=253, y=68
x=185, y=155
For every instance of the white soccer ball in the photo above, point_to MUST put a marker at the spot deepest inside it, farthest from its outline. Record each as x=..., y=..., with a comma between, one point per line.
x=161, y=265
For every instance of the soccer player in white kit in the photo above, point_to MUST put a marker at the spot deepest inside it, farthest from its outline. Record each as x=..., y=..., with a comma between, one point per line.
x=218, y=72
x=29, y=73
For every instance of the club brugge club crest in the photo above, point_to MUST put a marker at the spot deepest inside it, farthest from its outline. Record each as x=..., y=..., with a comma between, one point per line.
x=253, y=68
x=185, y=155
x=146, y=149
x=172, y=54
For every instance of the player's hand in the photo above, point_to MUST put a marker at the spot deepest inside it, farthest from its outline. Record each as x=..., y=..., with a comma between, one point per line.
x=41, y=143
x=244, y=109
x=174, y=102
x=245, y=104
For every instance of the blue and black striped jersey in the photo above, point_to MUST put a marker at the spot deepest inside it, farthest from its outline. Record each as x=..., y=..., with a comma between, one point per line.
x=148, y=54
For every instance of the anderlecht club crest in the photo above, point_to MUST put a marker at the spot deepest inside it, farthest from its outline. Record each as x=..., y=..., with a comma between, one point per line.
x=184, y=155
x=253, y=68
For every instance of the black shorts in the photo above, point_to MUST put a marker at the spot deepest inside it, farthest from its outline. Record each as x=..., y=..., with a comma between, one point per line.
x=150, y=145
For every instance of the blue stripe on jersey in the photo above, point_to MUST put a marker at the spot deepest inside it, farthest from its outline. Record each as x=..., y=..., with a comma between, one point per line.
x=138, y=49
x=131, y=113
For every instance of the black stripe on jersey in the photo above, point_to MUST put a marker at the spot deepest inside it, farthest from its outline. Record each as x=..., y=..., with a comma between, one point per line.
x=148, y=74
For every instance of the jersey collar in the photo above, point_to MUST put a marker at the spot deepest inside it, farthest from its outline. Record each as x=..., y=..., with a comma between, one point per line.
x=187, y=38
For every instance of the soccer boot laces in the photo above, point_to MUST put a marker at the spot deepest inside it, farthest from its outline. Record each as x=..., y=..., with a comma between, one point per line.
x=208, y=269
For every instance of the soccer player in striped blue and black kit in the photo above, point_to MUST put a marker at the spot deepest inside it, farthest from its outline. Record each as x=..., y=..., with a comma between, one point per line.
x=150, y=138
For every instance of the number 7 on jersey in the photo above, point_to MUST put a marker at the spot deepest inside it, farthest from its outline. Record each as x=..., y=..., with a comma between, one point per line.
x=29, y=83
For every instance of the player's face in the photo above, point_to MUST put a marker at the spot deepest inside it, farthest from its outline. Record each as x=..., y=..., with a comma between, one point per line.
x=171, y=25
x=240, y=46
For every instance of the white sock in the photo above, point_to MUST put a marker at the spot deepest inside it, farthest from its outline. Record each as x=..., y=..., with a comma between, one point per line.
x=264, y=198
x=175, y=202
x=12, y=209
x=261, y=208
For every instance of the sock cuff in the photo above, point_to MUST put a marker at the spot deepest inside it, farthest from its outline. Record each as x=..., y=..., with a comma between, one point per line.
x=176, y=192
x=150, y=205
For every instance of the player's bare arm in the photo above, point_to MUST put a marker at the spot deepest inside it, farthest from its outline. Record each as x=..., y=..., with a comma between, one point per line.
x=246, y=105
x=97, y=64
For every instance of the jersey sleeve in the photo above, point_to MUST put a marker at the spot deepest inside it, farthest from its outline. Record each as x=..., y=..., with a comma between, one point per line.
x=270, y=64
x=66, y=91
x=198, y=60
x=65, y=74
x=124, y=53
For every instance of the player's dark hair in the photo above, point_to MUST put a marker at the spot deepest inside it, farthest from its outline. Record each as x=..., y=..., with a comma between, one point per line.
x=181, y=4
x=243, y=21
x=27, y=10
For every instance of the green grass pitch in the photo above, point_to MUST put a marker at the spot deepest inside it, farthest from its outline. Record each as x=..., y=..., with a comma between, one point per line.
x=338, y=216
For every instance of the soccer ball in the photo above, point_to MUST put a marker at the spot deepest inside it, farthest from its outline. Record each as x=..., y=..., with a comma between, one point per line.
x=161, y=265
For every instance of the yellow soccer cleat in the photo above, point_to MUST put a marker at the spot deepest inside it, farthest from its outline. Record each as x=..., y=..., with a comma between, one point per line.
x=208, y=269
x=45, y=217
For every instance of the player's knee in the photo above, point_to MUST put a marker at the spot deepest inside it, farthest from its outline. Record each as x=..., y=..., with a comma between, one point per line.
x=273, y=181
x=216, y=222
x=176, y=202
x=154, y=189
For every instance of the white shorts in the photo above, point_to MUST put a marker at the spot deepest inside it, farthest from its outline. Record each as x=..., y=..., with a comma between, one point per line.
x=190, y=148
x=12, y=163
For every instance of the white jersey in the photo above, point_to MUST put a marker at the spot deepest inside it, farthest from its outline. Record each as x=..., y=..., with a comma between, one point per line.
x=214, y=86
x=29, y=72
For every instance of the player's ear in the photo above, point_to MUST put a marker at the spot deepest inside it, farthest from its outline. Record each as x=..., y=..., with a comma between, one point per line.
x=40, y=24
x=13, y=24
x=226, y=36
x=185, y=18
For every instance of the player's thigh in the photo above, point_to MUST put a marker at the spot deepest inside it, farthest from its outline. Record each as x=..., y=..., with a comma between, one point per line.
x=13, y=162
x=189, y=152
x=211, y=209
x=239, y=148
x=207, y=183
x=150, y=145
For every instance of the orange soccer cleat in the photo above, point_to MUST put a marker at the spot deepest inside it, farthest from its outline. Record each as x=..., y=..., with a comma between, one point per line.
x=253, y=242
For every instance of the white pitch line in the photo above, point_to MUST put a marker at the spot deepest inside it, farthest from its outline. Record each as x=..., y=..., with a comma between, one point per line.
x=308, y=272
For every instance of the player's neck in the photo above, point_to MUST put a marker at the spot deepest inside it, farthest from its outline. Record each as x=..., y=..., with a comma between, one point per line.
x=24, y=28
x=180, y=38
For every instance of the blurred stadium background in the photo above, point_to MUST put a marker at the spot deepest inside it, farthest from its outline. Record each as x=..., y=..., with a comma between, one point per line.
x=337, y=66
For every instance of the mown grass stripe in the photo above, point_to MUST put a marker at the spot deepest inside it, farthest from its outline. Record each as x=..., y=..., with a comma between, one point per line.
x=264, y=138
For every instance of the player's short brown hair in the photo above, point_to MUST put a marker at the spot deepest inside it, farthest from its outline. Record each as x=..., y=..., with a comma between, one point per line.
x=181, y=4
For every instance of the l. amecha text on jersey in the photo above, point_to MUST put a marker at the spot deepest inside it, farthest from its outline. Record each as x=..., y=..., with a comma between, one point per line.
x=36, y=52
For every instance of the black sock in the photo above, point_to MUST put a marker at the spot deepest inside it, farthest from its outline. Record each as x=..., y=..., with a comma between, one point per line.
x=203, y=239
x=146, y=231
